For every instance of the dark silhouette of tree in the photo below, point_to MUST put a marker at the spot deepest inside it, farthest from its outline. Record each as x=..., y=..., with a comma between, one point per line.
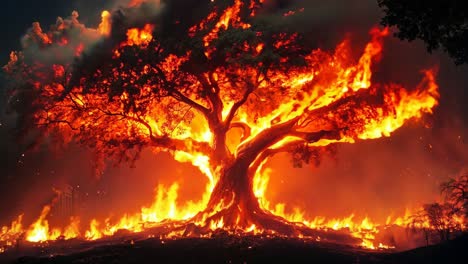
x=444, y=220
x=436, y=222
x=441, y=219
x=456, y=194
x=417, y=223
x=440, y=24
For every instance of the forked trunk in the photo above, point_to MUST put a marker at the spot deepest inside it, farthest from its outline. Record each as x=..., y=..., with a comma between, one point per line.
x=234, y=203
x=233, y=195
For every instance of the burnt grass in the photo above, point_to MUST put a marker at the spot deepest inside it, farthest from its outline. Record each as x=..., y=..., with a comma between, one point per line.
x=229, y=249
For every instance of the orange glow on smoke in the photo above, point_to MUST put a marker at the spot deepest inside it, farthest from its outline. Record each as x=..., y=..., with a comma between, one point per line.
x=136, y=3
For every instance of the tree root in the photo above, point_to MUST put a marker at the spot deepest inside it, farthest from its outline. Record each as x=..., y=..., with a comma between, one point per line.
x=257, y=222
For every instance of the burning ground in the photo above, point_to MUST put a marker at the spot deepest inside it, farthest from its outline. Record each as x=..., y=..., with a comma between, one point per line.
x=246, y=249
x=225, y=90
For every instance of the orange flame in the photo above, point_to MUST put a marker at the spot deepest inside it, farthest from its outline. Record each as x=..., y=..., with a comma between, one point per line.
x=73, y=229
x=39, y=230
x=105, y=26
x=140, y=37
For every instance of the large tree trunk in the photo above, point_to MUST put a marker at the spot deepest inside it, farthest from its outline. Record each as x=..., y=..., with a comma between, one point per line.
x=234, y=203
x=233, y=194
x=233, y=200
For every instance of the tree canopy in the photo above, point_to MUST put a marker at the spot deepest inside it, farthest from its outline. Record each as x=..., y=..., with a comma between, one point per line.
x=130, y=84
x=440, y=24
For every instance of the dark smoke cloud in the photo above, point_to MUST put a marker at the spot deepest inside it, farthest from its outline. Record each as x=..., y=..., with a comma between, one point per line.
x=324, y=23
x=70, y=29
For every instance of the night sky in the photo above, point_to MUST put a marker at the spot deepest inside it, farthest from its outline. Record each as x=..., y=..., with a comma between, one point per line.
x=18, y=179
x=425, y=156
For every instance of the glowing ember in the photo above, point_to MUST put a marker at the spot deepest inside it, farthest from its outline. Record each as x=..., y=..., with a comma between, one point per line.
x=140, y=37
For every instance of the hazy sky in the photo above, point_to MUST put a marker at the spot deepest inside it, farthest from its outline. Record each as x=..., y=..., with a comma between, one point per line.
x=16, y=16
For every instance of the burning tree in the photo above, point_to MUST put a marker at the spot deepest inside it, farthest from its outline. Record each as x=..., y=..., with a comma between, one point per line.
x=226, y=91
x=447, y=219
x=437, y=222
x=456, y=195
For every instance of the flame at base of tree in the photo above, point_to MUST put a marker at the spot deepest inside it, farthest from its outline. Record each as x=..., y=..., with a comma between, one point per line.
x=136, y=87
x=181, y=221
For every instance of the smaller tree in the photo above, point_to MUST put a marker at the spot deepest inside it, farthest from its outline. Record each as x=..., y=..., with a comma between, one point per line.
x=441, y=220
x=456, y=195
x=438, y=221
x=417, y=223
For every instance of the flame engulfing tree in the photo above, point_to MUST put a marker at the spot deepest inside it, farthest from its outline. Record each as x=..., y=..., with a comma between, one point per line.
x=226, y=88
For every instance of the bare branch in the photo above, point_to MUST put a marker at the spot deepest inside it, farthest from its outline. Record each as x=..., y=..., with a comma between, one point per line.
x=137, y=119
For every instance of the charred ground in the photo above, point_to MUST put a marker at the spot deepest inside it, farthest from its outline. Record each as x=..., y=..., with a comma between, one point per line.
x=222, y=248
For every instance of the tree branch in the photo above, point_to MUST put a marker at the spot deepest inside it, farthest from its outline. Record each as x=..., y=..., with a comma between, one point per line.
x=270, y=152
x=237, y=105
x=304, y=138
x=50, y=122
x=136, y=119
x=187, y=145
x=180, y=97
x=213, y=95
x=250, y=149
x=176, y=94
x=211, y=86
x=245, y=127
x=311, y=137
